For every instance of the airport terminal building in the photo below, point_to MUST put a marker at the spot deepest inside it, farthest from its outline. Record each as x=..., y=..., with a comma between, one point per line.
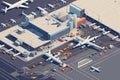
x=48, y=29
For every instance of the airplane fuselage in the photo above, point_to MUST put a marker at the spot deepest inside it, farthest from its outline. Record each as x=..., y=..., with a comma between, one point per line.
x=17, y=4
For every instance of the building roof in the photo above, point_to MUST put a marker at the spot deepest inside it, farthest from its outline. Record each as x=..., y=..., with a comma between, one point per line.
x=105, y=11
x=27, y=37
x=48, y=25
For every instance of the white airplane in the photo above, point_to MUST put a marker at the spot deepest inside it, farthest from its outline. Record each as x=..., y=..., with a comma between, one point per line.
x=33, y=13
x=115, y=37
x=103, y=30
x=40, y=8
x=13, y=21
x=96, y=27
x=15, y=5
x=9, y=50
x=24, y=14
x=51, y=6
x=104, y=33
x=53, y=58
x=88, y=41
x=3, y=25
x=92, y=69
x=16, y=54
x=93, y=24
x=2, y=46
x=63, y=1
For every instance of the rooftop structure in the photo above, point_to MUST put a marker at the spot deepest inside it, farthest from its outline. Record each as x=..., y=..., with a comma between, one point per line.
x=47, y=25
x=9, y=37
x=105, y=11
x=53, y=25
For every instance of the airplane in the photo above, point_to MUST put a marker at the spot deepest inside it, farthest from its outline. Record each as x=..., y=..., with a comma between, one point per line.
x=93, y=24
x=63, y=1
x=88, y=41
x=3, y=25
x=92, y=69
x=15, y=5
x=104, y=33
x=96, y=27
x=33, y=13
x=115, y=37
x=9, y=50
x=24, y=14
x=51, y=6
x=12, y=21
x=53, y=58
x=2, y=46
x=40, y=8
x=16, y=54
x=103, y=30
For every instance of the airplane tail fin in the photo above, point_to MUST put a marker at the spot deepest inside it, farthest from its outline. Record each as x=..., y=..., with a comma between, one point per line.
x=5, y=10
x=87, y=37
x=49, y=51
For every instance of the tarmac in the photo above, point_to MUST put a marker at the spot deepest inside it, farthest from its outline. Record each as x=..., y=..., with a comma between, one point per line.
x=108, y=61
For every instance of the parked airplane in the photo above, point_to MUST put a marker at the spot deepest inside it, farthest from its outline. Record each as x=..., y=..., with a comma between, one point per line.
x=96, y=27
x=16, y=54
x=52, y=58
x=15, y=5
x=87, y=41
x=103, y=30
x=2, y=46
x=40, y=8
x=93, y=24
x=3, y=25
x=92, y=69
x=33, y=13
x=24, y=14
x=12, y=21
x=63, y=1
x=51, y=6
x=9, y=50
x=115, y=37
x=104, y=33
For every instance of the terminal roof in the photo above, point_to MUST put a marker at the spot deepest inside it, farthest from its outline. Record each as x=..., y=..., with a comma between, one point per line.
x=105, y=11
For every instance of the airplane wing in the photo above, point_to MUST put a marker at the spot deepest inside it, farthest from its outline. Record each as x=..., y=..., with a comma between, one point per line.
x=48, y=59
x=6, y=3
x=23, y=6
x=79, y=44
x=92, y=44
